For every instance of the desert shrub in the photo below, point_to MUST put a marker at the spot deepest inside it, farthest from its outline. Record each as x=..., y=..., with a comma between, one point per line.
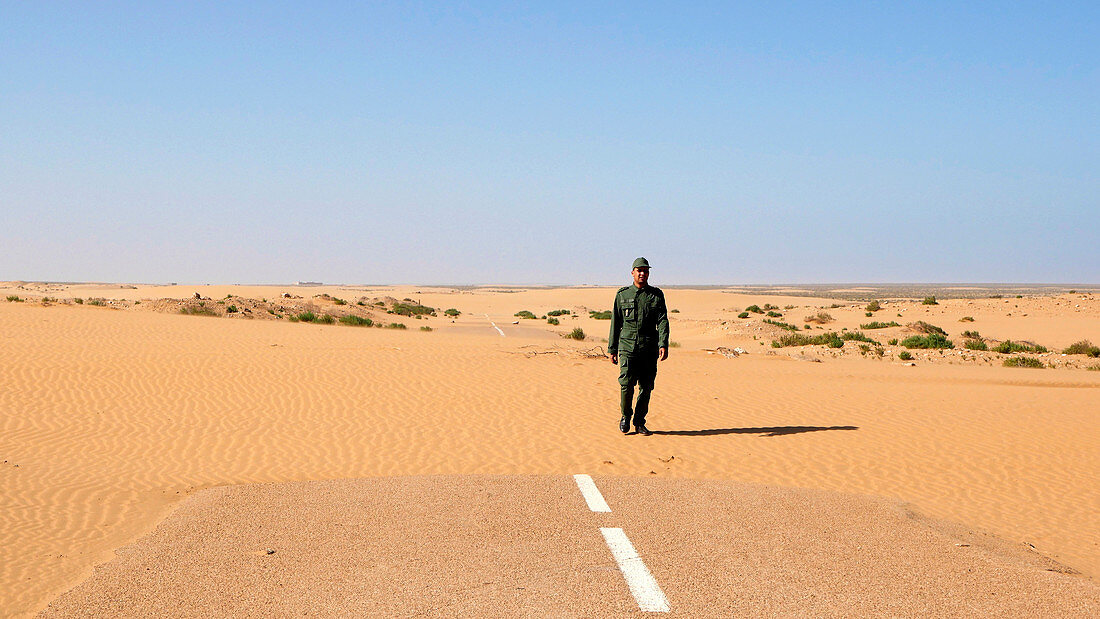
x=270, y=311
x=774, y=314
x=754, y=309
x=996, y=296
x=1019, y=296
x=781, y=325
x=966, y=319
x=868, y=314
x=525, y=314
x=307, y=316
x=874, y=306
x=1008, y=347
x=356, y=321
x=879, y=325
x=830, y=339
x=605, y=315
x=972, y=334
x=553, y=321
x=769, y=306
x=1083, y=347
x=932, y=340
x=339, y=301
x=412, y=309
x=976, y=344
x=14, y=298
x=576, y=334
x=923, y=327
x=905, y=355
x=325, y=320
x=1023, y=362
x=856, y=336
x=396, y=325
x=893, y=341
x=78, y=301
x=929, y=301
x=292, y=318
x=820, y=318
x=452, y=312
x=200, y=310
x=232, y=309
x=1073, y=292
x=557, y=312
x=864, y=349
x=360, y=302
x=743, y=315
x=673, y=311
x=1094, y=368
x=835, y=306
x=425, y=328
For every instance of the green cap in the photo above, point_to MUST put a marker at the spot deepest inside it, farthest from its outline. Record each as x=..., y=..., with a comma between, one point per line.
x=640, y=263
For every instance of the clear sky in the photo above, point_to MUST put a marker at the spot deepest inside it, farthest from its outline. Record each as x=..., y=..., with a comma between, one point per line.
x=551, y=142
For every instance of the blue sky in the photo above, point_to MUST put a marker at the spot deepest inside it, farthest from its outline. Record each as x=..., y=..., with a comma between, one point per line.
x=549, y=142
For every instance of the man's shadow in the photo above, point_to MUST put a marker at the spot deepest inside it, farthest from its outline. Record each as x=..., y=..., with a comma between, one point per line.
x=773, y=431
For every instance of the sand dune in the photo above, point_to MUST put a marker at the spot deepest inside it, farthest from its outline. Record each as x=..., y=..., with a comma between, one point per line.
x=108, y=418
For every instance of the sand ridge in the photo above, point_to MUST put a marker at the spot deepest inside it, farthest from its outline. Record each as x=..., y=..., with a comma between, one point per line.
x=108, y=418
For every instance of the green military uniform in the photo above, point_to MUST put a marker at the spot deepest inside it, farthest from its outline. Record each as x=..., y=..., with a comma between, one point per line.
x=639, y=327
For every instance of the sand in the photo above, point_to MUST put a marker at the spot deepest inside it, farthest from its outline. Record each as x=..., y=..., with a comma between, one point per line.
x=109, y=418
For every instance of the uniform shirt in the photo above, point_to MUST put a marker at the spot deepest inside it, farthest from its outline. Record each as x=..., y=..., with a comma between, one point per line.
x=639, y=321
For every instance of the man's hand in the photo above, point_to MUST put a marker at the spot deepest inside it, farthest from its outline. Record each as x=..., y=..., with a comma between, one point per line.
x=662, y=354
x=615, y=358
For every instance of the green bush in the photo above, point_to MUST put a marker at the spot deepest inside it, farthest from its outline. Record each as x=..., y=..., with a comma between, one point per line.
x=974, y=344
x=972, y=334
x=754, y=309
x=905, y=355
x=1008, y=347
x=339, y=301
x=558, y=312
x=932, y=340
x=868, y=314
x=673, y=311
x=1023, y=362
x=892, y=341
x=966, y=319
x=525, y=314
x=553, y=321
x=605, y=315
x=306, y=317
x=864, y=349
x=781, y=325
x=78, y=301
x=201, y=310
x=355, y=321
x=396, y=325
x=576, y=334
x=325, y=320
x=856, y=336
x=874, y=306
x=743, y=315
x=1083, y=347
x=830, y=339
x=425, y=328
x=12, y=298
x=412, y=309
x=879, y=325
x=452, y=312
x=232, y=309
x=769, y=306
x=929, y=301
x=774, y=314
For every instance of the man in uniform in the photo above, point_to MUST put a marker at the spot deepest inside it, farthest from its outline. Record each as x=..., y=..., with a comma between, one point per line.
x=639, y=337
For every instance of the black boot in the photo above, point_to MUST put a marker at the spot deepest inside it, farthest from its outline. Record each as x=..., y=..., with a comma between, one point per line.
x=624, y=424
x=644, y=431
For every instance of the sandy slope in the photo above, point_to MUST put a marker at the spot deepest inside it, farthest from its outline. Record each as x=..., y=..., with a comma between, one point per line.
x=108, y=418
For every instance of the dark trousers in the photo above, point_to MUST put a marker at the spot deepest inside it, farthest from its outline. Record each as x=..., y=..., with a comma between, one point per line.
x=641, y=370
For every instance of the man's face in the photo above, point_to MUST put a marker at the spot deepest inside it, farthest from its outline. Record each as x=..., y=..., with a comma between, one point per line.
x=641, y=276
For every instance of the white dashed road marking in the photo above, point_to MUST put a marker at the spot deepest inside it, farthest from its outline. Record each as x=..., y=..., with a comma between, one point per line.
x=494, y=325
x=646, y=592
x=591, y=494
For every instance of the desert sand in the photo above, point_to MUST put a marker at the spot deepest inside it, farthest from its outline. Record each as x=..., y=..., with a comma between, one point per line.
x=112, y=415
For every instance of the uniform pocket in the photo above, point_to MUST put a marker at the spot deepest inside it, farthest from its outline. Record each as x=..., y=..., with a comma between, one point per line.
x=629, y=311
